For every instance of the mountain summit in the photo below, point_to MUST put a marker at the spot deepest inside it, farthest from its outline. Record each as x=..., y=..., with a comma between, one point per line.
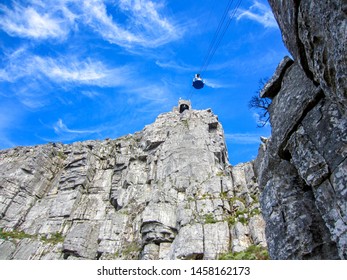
x=166, y=192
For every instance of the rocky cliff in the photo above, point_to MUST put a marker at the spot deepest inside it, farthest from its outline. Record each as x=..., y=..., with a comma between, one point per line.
x=166, y=192
x=302, y=168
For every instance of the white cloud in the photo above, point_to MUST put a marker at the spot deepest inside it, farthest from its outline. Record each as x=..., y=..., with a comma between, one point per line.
x=243, y=138
x=64, y=69
x=214, y=84
x=31, y=78
x=145, y=26
x=174, y=65
x=28, y=22
x=87, y=72
x=95, y=15
x=90, y=93
x=61, y=128
x=260, y=13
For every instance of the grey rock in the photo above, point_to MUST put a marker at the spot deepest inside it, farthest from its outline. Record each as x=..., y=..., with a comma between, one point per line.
x=240, y=237
x=334, y=217
x=216, y=240
x=324, y=43
x=273, y=86
x=294, y=227
x=164, y=251
x=326, y=127
x=189, y=243
x=301, y=169
x=297, y=94
x=310, y=164
x=65, y=203
x=166, y=192
x=315, y=34
x=150, y=252
x=162, y=213
x=257, y=230
x=7, y=248
x=26, y=249
x=81, y=241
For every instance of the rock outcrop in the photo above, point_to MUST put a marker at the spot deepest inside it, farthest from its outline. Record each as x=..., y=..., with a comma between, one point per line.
x=302, y=168
x=166, y=192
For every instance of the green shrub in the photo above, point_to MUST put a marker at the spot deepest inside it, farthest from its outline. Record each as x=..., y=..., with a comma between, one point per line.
x=15, y=234
x=253, y=252
x=209, y=219
x=54, y=238
x=131, y=250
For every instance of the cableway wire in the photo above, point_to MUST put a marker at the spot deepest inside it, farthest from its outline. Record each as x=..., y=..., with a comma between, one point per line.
x=218, y=36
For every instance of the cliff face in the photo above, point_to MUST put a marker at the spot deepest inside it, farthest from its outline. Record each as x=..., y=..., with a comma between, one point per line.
x=166, y=192
x=302, y=169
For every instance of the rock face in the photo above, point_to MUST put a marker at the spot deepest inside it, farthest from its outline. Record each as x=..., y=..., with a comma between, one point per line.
x=166, y=192
x=315, y=34
x=302, y=168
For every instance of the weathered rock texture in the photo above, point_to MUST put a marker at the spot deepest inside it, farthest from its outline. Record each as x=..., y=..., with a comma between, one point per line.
x=166, y=192
x=302, y=169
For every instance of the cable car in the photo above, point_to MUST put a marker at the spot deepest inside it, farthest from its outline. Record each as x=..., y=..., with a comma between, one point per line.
x=198, y=83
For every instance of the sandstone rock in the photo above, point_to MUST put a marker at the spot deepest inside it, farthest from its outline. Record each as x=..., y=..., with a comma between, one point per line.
x=294, y=227
x=7, y=248
x=166, y=192
x=296, y=95
x=310, y=164
x=240, y=237
x=189, y=243
x=81, y=241
x=315, y=34
x=216, y=240
x=26, y=249
x=273, y=86
x=301, y=169
x=327, y=129
x=150, y=252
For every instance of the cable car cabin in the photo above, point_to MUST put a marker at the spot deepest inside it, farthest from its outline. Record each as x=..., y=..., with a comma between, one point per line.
x=198, y=83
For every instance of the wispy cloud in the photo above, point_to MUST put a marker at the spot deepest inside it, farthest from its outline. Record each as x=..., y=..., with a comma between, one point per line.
x=171, y=64
x=64, y=69
x=87, y=72
x=212, y=83
x=30, y=22
x=260, y=13
x=61, y=128
x=90, y=93
x=243, y=138
x=146, y=16
x=145, y=26
x=31, y=78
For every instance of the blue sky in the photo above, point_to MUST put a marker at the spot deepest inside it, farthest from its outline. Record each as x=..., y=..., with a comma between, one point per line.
x=72, y=70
